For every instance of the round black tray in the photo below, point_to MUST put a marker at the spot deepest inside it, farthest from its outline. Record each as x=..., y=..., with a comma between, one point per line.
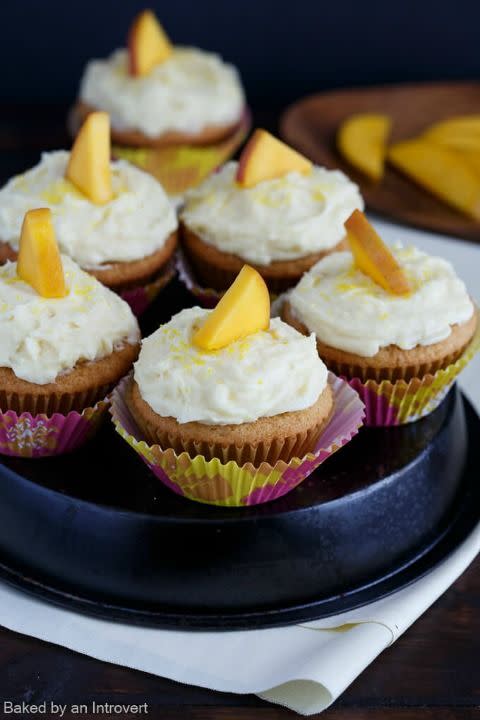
x=96, y=532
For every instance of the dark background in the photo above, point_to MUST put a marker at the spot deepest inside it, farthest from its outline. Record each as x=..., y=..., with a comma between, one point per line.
x=283, y=49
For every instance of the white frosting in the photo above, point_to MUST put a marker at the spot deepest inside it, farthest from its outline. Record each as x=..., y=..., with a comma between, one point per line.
x=349, y=311
x=41, y=338
x=134, y=224
x=280, y=219
x=266, y=373
x=191, y=90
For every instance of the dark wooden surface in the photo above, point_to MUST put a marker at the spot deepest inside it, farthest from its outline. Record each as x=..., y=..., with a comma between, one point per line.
x=431, y=673
x=311, y=126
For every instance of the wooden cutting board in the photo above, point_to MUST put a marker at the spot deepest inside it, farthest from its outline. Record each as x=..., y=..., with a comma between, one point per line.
x=310, y=125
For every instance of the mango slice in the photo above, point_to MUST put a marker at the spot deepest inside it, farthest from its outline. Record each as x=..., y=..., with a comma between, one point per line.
x=264, y=157
x=148, y=44
x=459, y=133
x=243, y=310
x=39, y=263
x=362, y=139
x=441, y=171
x=89, y=165
x=373, y=257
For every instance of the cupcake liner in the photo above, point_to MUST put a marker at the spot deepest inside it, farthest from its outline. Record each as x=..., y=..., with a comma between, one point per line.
x=141, y=296
x=207, y=297
x=230, y=484
x=390, y=403
x=181, y=167
x=35, y=436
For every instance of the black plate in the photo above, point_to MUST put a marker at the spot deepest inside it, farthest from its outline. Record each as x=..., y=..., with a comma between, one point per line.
x=377, y=516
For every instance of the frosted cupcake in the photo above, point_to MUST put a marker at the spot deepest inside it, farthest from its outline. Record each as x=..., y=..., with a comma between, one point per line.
x=230, y=408
x=114, y=220
x=261, y=397
x=398, y=316
x=65, y=342
x=272, y=209
x=158, y=94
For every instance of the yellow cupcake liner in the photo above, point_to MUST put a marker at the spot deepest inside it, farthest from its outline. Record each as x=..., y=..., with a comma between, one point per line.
x=229, y=484
x=181, y=167
x=397, y=403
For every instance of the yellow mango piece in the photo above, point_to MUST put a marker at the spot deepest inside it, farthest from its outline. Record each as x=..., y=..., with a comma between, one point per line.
x=148, y=44
x=89, y=165
x=243, y=310
x=373, y=257
x=264, y=157
x=39, y=263
x=362, y=139
x=459, y=133
x=441, y=171
x=472, y=158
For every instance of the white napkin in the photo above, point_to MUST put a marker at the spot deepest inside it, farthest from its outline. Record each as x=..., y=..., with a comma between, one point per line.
x=304, y=667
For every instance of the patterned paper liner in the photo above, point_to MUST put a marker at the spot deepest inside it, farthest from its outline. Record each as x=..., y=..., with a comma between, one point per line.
x=141, y=296
x=36, y=436
x=181, y=167
x=229, y=484
x=398, y=403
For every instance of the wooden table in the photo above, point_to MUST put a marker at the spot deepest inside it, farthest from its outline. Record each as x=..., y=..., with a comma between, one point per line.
x=431, y=673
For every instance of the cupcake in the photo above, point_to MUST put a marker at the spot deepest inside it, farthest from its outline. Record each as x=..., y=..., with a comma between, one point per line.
x=111, y=218
x=231, y=408
x=262, y=398
x=230, y=383
x=158, y=94
x=272, y=209
x=65, y=339
x=397, y=323
x=65, y=342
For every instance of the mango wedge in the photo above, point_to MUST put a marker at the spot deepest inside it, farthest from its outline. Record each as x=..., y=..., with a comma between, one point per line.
x=441, y=171
x=264, y=157
x=89, y=165
x=373, y=257
x=361, y=139
x=148, y=44
x=459, y=133
x=243, y=310
x=39, y=263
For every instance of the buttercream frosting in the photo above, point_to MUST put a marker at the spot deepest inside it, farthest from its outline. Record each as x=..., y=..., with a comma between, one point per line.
x=191, y=90
x=41, y=338
x=134, y=224
x=347, y=310
x=281, y=219
x=267, y=373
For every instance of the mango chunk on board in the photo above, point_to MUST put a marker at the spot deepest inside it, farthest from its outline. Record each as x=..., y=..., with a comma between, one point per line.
x=441, y=171
x=362, y=139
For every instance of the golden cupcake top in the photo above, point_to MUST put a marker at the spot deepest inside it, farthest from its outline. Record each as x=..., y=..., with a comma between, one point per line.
x=103, y=211
x=376, y=296
x=272, y=205
x=154, y=86
x=232, y=364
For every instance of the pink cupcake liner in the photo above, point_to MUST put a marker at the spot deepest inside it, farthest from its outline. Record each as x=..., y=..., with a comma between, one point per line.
x=139, y=298
x=36, y=436
x=229, y=484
